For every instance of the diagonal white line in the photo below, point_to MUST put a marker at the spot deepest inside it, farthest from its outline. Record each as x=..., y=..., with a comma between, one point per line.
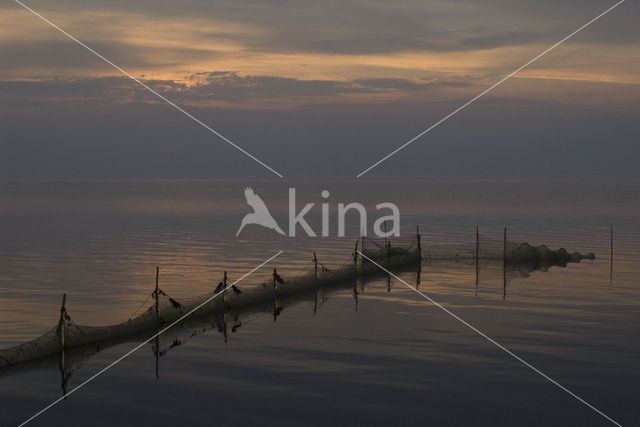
x=112, y=364
x=492, y=341
x=183, y=111
x=488, y=89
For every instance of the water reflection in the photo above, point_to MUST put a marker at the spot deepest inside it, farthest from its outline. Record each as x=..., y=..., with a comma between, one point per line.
x=227, y=319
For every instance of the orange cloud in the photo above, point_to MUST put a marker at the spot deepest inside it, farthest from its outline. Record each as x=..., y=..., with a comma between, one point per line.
x=184, y=50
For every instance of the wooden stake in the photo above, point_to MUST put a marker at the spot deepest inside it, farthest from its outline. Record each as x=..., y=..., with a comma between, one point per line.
x=315, y=264
x=63, y=310
x=157, y=292
x=275, y=295
x=477, y=258
x=63, y=316
x=355, y=254
x=224, y=290
x=504, y=266
x=504, y=249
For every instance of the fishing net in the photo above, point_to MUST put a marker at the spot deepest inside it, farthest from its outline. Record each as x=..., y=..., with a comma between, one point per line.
x=489, y=254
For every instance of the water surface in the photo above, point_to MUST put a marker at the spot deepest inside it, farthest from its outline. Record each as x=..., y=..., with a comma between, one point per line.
x=391, y=358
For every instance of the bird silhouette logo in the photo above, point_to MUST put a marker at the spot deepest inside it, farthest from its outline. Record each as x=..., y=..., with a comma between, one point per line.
x=260, y=214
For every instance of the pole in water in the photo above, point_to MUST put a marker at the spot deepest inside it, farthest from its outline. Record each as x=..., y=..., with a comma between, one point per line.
x=477, y=258
x=156, y=293
x=63, y=310
x=388, y=245
x=504, y=248
x=275, y=295
x=276, y=279
x=157, y=309
x=224, y=293
x=419, y=244
x=63, y=316
x=384, y=227
x=315, y=264
x=504, y=266
x=355, y=254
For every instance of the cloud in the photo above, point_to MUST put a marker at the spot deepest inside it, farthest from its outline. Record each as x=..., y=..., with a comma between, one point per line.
x=208, y=89
x=230, y=89
x=352, y=26
x=321, y=41
x=310, y=80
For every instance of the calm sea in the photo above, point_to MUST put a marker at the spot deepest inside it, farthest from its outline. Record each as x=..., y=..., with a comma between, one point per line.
x=382, y=355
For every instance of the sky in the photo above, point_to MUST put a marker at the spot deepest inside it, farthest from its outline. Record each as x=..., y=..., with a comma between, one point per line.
x=319, y=90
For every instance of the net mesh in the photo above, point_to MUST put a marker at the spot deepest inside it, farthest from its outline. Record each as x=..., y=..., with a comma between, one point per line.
x=491, y=255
